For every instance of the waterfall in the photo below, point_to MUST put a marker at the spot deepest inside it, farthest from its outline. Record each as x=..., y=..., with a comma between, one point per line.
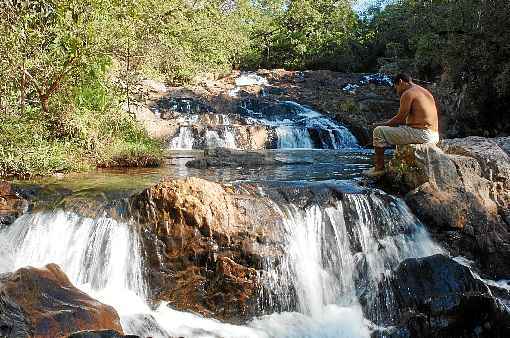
x=291, y=137
x=334, y=254
x=102, y=257
x=295, y=126
x=184, y=140
x=218, y=133
x=337, y=254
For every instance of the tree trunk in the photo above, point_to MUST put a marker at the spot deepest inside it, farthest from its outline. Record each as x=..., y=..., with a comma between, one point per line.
x=128, y=79
x=45, y=103
x=23, y=89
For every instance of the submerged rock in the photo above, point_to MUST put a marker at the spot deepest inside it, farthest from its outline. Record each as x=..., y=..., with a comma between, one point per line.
x=206, y=244
x=461, y=189
x=224, y=157
x=43, y=303
x=438, y=297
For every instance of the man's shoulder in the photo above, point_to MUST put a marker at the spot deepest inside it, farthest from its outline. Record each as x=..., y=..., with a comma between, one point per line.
x=421, y=90
x=409, y=94
x=416, y=91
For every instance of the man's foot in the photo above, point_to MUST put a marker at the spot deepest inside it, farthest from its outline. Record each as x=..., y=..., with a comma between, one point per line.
x=374, y=172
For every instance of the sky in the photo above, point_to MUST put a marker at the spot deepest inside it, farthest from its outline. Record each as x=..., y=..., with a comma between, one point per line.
x=362, y=5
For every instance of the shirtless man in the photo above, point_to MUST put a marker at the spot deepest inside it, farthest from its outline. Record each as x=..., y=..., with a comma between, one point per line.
x=416, y=122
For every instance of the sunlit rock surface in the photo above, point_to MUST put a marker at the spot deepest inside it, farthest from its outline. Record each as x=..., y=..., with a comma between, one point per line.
x=43, y=303
x=462, y=190
x=205, y=245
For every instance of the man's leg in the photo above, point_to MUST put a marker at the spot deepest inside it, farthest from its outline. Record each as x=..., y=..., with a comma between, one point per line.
x=379, y=142
x=379, y=158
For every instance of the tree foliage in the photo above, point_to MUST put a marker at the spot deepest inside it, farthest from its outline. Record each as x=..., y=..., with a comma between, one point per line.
x=464, y=42
x=68, y=65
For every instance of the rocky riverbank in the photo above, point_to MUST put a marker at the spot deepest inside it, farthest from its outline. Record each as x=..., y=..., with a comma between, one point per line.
x=355, y=100
x=461, y=190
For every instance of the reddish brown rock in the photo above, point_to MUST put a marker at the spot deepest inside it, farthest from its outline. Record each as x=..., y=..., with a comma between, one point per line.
x=206, y=244
x=43, y=303
x=11, y=205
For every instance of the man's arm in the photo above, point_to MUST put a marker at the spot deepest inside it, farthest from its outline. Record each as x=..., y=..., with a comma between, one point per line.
x=406, y=101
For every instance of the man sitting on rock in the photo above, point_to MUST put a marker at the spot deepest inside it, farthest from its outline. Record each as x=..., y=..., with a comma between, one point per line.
x=416, y=122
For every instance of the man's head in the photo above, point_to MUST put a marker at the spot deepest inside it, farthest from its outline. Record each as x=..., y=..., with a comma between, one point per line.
x=402, y=82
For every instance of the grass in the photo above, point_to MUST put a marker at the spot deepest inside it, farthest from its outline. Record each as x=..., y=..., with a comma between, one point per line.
x=79, y=140
x=27, y=149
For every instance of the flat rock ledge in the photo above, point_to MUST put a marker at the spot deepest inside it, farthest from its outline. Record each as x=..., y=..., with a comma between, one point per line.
x=461, y=190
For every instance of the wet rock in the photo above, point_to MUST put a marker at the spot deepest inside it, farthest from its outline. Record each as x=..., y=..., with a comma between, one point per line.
x=463, y=187
x=43, y=303
x=224, y=157
x=436, y=296
x=206, y=245
x=12, y=205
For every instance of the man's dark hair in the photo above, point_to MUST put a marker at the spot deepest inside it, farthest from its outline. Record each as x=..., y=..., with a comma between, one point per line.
x=402, y=76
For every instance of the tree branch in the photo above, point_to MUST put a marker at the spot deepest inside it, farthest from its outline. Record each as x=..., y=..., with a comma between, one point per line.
x=56, y=83
x=34, y=81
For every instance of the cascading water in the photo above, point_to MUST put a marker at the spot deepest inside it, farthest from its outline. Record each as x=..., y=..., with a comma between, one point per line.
x=221, y=136
x=293, y=125
x=298, y=126
x=184, y=140
x=334, y=254
x=291, y=137
x=337, y=254
x=102, y=257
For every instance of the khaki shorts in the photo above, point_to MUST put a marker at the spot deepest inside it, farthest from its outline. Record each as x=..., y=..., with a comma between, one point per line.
x=385, y=136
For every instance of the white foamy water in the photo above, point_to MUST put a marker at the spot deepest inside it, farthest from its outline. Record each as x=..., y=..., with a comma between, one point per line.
x=250, y=79
x=291, y=137
x=333, y=253
x=102, y=257
x=184, y=140
x=221, y=136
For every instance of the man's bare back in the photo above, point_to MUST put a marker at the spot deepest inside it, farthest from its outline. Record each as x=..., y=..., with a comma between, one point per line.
x=415, y=123
x=420, y=108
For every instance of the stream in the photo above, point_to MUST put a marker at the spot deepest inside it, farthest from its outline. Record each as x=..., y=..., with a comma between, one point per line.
x=324, y=244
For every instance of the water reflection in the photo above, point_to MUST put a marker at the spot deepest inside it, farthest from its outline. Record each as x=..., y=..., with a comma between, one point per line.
x=109, y=184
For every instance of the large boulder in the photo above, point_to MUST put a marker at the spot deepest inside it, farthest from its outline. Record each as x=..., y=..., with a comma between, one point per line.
x=461, y=189
x=206, y=245
x=43, y=303
x=156, y=127
x=437, y=297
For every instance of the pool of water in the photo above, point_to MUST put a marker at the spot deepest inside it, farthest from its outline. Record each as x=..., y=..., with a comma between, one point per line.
x=307, y=165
